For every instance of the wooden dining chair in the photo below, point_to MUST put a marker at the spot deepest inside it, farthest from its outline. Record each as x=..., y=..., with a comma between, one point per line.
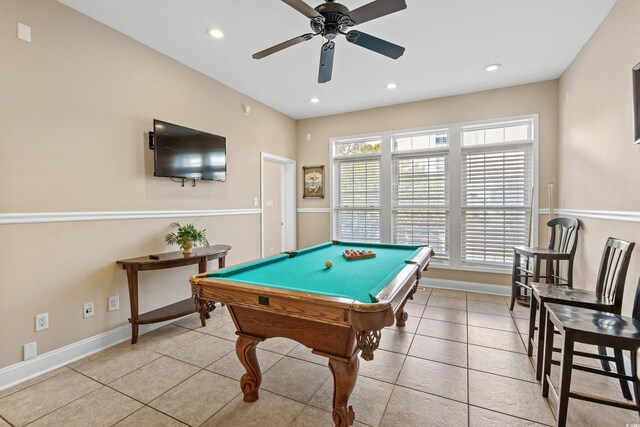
x=580, y=325
x=527, y=261
x=607, y=297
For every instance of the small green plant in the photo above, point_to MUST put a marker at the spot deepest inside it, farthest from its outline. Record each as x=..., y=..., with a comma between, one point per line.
x=186, y=233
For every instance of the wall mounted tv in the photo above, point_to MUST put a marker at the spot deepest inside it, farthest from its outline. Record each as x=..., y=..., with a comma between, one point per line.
x=185, y=153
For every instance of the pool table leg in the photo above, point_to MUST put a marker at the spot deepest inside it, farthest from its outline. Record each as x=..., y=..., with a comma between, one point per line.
x=250, y=382
x=401, y=315
x=345, y=373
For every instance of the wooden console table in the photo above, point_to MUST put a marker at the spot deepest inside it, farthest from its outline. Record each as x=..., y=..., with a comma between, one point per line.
x=199, y=256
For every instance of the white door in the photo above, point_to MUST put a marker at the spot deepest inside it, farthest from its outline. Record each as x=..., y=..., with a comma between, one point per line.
x=272, y=221
x=278, y=201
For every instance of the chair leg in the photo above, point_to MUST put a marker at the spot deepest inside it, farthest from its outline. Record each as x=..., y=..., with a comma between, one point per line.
x=533, y=307
x=514, y=278
x=541, y=328
x=624, y=384
x=550, y=272
x=565, y=378
x=634, y=374
x=605, y=363
x=548, y=356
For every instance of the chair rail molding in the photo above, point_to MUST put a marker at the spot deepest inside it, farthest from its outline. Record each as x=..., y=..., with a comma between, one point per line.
x=627, y=216
x=43, y=217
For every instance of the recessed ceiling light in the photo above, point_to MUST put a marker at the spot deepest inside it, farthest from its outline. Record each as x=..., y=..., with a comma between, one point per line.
x=493, y=67
x=314, y=100
x=392, y=85
x=215, y=33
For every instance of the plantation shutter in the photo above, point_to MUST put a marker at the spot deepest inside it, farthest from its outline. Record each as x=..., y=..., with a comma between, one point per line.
x=358, y=200
x=496, y=187
x=421, y=201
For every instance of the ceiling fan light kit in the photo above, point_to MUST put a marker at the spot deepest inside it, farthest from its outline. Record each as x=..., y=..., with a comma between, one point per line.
x=331, y=19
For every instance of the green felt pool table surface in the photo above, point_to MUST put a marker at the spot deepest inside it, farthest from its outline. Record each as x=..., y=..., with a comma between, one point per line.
x=305, y=270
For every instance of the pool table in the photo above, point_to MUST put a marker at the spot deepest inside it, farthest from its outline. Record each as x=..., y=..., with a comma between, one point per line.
x=335, y=311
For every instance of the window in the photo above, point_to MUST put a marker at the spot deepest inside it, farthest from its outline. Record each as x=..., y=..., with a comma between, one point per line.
x=421, y=191
x=463, y=189
x=357, y=196
x=496, y=186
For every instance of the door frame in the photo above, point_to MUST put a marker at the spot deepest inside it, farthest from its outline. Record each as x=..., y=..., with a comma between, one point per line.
x=288, y=211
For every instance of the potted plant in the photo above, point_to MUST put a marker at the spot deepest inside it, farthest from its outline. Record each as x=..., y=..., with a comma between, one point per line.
x=186, y=237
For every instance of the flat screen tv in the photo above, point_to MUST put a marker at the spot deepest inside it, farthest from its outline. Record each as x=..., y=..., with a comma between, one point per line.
x=181, y=152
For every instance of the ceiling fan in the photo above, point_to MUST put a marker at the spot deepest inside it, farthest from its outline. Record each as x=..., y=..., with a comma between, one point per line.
x=330, y=19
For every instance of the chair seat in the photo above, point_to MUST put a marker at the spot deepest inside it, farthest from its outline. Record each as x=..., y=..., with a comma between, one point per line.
x=549, y=292
x=599, y=323
x=545, y=253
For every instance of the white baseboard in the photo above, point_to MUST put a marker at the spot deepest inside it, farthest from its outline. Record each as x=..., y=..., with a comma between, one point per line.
x=23, y=371
x=482, y=288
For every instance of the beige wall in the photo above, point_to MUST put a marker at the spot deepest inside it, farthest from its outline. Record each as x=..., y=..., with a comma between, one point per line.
x=75, y=106
x=540, y=98
x=599, y=165
x=272, y=213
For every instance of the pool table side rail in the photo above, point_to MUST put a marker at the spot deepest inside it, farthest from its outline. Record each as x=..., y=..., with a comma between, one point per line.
x=297, y=304
x=391, y=297
x=375, y=316
x=420, y=261
x=248, y=265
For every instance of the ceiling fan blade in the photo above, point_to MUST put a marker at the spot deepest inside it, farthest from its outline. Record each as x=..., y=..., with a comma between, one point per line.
x=326, y=62
x=376, y=9
x=375, y=44
x=304, y=9
x=283, y=45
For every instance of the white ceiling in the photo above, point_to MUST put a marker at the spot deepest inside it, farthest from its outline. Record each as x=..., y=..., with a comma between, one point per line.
x=448, y=43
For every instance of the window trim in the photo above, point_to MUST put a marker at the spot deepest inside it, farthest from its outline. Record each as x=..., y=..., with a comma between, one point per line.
x=455, y=149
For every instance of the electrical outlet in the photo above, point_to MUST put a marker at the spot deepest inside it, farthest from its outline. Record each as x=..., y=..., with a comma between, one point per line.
x=89, y=310
x=114, y=303
x=42, y=322
x=30, y=351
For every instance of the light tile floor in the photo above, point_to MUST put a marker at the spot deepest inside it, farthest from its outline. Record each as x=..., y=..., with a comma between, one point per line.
x=460, y=361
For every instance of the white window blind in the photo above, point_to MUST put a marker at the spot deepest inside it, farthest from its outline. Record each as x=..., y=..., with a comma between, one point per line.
x=421, y=201
x=496, y=185
x=357, y=210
